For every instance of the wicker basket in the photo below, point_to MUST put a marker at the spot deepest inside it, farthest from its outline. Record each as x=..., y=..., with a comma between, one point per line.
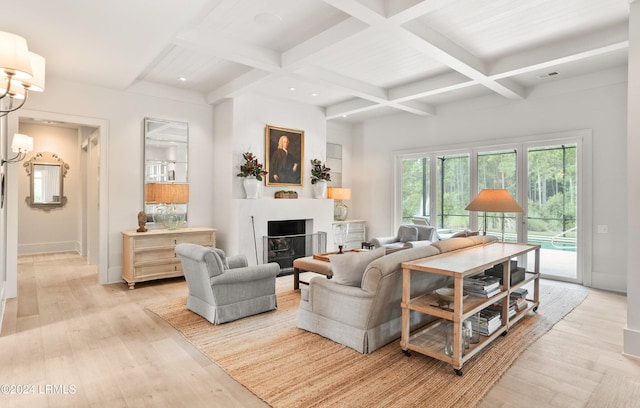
x=286, y=194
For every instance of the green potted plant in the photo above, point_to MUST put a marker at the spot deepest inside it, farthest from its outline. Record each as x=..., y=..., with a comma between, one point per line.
x=252, y=171
x=320, y=174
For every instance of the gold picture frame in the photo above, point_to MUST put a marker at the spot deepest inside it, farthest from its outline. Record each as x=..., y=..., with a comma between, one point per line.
x=284, y=156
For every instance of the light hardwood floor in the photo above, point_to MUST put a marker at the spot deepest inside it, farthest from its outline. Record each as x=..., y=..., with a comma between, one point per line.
x=65, y=329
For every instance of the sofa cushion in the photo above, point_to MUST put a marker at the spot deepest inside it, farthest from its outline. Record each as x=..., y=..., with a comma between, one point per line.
x=349, y=267
x=407, y=233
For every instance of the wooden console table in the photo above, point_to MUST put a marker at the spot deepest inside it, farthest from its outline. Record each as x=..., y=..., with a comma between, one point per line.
x=151, y=255
x=430, y=340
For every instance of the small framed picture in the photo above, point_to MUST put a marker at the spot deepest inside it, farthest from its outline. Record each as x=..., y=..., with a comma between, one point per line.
x=285, y=156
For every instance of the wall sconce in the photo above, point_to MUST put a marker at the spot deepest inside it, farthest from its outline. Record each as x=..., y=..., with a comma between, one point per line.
x=23, y=71
x=340, y=210
x=21, y=144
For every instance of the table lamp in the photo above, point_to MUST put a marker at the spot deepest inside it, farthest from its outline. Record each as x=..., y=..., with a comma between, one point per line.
x=340, y=210
x=494, y=200
x=168, y=195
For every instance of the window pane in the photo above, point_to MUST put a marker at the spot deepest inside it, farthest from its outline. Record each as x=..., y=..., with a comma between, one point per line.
x=498, y=169
x=415, y=188
x=453, y=192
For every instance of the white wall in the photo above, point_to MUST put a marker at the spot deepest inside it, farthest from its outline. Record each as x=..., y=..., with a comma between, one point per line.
x=562, y=107
x=124, y=112
x=240, y=128
x=61, y=230
x=632, y=331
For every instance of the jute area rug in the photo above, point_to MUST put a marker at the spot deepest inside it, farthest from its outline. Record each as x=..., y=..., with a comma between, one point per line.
x=289, y=367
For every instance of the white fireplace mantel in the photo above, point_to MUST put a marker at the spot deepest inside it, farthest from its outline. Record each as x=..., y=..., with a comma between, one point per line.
x=253, y=215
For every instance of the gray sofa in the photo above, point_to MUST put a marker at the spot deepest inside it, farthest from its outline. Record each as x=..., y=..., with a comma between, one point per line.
x=368, y=316
x=408, y=236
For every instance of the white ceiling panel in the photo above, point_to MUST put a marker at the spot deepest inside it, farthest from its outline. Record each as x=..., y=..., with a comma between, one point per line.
x=492, y=29
x=359, y=57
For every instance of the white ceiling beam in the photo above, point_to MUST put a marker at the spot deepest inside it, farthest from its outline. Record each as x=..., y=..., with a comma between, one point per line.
x=442, y=49
x=315, y=48
x=235, y=51
x=238, y=85
x=588, y=45
x=401, y=13
x=431, y=86
x=349, y=107
x=358, y=10
x=415, y=107
x=350, y=85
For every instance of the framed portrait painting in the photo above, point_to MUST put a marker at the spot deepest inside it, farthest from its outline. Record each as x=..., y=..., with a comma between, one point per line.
x=285, y=151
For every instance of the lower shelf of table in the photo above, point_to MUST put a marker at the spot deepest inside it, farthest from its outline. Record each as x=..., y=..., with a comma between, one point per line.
x=430, y=340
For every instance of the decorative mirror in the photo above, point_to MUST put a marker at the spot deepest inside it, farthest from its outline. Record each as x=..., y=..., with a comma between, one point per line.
x=166, y=146
x=46, y=178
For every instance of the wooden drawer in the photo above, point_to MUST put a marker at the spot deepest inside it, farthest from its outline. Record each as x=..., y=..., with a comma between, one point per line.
x=152, y=241
x=156, y=271
x=154, y=255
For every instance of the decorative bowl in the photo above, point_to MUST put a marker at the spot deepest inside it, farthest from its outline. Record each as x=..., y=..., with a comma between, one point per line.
x=447, y=294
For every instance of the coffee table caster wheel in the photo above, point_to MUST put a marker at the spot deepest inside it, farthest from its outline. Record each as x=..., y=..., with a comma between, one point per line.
x=535, y=309
x=503, y=334
x=407, y=353
x=458, y=372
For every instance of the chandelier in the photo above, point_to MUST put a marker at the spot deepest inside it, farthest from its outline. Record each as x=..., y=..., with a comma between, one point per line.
x=21, y=71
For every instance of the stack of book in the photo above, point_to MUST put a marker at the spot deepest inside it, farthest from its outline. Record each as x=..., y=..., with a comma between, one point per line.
x=512, y=307
x=519, y=297
x=490, y=320
x=482, y=285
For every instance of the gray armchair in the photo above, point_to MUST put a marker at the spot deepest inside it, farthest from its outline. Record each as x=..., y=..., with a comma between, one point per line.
x=222, y=289
x=408, y=236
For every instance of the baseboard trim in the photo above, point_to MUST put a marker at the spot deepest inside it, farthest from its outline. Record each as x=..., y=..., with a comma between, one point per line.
x=631, y=343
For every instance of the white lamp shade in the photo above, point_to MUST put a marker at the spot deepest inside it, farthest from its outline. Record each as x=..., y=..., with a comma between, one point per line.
x=22, y=143
x=35, y=83
x=338, y=193
x=14, y=56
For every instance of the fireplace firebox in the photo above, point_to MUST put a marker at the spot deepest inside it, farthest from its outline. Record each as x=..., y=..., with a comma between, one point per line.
x=288, y=240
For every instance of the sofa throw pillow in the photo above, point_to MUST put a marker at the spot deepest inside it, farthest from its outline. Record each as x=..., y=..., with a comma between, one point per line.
x=349, y=267
x=407, y=233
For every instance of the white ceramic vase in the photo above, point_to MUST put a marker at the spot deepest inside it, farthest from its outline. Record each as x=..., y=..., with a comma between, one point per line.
x=320, y=189
x=251, y=187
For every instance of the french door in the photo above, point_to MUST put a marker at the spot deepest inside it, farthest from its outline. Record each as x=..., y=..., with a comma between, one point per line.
x=544, y=176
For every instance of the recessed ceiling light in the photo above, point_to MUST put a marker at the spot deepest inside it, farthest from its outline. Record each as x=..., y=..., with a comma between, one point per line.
x=182, y=79
x=314, y=94
x=344, y=116
x=292, y=89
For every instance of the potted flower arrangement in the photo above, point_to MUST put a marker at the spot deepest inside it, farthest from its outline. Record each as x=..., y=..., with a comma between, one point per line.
x=252, y=171
x=320, y=174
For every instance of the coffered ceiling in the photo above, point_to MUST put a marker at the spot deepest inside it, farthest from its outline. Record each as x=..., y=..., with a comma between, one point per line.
x=353, y=58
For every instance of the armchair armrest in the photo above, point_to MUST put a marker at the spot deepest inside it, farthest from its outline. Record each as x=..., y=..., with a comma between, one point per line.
x=380, y=241
x=247, y=274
